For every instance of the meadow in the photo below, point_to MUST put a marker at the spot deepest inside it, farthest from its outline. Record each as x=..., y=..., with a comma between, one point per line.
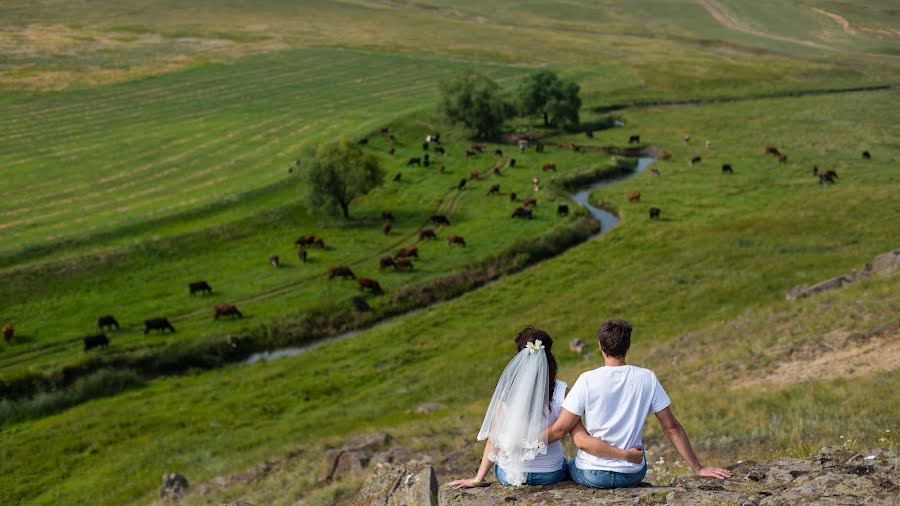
x=127, y=190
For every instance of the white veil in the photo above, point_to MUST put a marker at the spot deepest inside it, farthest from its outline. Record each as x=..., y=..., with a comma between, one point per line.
x=517, y=416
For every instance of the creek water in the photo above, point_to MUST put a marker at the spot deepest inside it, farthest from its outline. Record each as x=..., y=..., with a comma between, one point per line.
x=607, y=221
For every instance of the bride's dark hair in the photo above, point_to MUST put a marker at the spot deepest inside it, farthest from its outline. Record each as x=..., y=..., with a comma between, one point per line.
x=528, y=335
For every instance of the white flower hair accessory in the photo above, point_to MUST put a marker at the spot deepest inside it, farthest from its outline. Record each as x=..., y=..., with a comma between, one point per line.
x=535, y=346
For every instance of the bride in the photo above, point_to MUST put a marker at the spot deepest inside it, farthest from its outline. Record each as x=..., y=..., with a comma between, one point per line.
x=527, y=400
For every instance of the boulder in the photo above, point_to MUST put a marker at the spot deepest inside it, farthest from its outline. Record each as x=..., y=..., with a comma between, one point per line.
x=410, y=484
x=352, y=458
x=885, y=263
x=428, y=407
x=577, y=345
x=174, y=487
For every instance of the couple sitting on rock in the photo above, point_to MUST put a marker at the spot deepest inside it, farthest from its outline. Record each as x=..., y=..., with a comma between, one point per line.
x=531, y=411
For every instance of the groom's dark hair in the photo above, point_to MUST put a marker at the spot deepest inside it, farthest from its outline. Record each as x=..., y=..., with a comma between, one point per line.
x=615, y=337
x=528, y=335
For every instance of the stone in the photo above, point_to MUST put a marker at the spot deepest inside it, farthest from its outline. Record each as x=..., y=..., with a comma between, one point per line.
x=886, y=263
x=577, y=345
x=352, y=458
x=174, y=487
x=410, y=484
x=882, y=264
x=428, y=407
x=399, y=455
x=237, y=503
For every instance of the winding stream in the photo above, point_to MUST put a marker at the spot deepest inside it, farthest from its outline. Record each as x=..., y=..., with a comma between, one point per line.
x=607, y=222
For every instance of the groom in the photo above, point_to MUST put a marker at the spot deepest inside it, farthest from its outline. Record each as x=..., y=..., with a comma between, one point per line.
x=615, y=401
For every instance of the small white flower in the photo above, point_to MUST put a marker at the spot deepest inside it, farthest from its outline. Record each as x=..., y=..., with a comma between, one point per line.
x=535, y=346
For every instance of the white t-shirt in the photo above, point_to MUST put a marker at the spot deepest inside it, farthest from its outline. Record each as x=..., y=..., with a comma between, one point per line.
x=553, y=459
x=615, y=402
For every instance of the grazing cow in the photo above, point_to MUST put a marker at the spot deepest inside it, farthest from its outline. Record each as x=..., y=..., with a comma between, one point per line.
x=386, y=216
x=655, y=171
x=370, y=284
x=522, y=212
x=392, y=137
x=828, y=177
x=392, y=151
x=538, y=147
x=360, y=304
x=562, y=210
x=160, y=324
x=496, y=171
x=474, y=174
x=696, y=159
x=726, y=169
x=301, y=255
x=511, y=163
x=461, y=185
x=867, y=155
x=363, y=141
x=403, y=263
x=530, y=201
x=426, y=161
x=305, y=240
x=318, y=242
x=815, y=170
x=654, y=213
x=425, y=146
x=549, y=167
x=568, y=145
x=226, y=310
x=107, y=321
x=634, y=139
x=414, y=161
x=470, y=153
x=199, y=286
x=275, y=261
x=478, y=147
x=439, y=219
x=634, y=197
x=513, y=197
x=386, y=228
x=340, y=272
x=456, y=239
x=397, y=176
x=686, y=139
x=383, y=130
x=8, y=333
x=427, y=233
x=440, y=150
x=407, y=252
x=441, y=169
x=96, y=341
x=772, y=150
x=498, y=152
x=665, y=156
x=494, y=190
x=385, y=262
x=523, y=145
x=782, y=158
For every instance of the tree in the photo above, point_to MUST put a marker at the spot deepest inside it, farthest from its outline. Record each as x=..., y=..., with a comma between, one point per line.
x=475, y=101
x=546, y=94
x=337, y=173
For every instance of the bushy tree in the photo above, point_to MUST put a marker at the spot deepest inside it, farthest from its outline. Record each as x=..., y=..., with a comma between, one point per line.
x=475, y=101
x=337, y=173
x=545, y=94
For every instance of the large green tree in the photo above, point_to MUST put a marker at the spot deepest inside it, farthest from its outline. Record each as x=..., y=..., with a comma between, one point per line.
x=475, y=101
x=337, y=173
x=546, y=94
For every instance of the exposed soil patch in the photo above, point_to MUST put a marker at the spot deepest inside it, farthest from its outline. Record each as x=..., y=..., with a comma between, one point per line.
x=840, y=20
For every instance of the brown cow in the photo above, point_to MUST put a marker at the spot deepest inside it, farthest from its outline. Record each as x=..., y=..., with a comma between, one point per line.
x=340, y=272
x=8, y=333
x=275, y=261
x=318, y=242
x=386, y=228
x=634, y=197
x=397, y=176
x=530, y=201
x=403, y=263
x=386, y=262
x=226, y=310
x=548, y=167
x=513, y=197
x=392, y=137
x=407, y=252
x=494, y=190
x=522, y=212
x=370, y=284
x=772, y=150
x=665, y=156
x=655, y=171
x=478, y=147
x=782, y=158
x=441, y=169
x=686, y=139
x=392, y=151
x=696, y=159
x=568, y=145
x=473, y=175
x=305, y=240
x=383, y=130
x=470, y=153
x=427, y=233
x=456, y=239
x=496, y=171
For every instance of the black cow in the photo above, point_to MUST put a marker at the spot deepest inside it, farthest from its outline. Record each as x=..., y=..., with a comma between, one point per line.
x=414, y=161
x=562, y=210
x=160, y=324
x=654, y=213
x=439, y=219
x=462, y=184
x=200, y=286
x=440, y=150
x=424, y=146
x=726, y=169
x=360, y=304
x=99, y=340
x=867, y=155
x=538, y=147
x=107, y=321
x=522, y=212
x=386, y=216
x=634, y=139
x=302, y=255
x=512, y=162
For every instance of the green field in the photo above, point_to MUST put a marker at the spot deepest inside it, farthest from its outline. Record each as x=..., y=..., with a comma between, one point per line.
x=133, y=167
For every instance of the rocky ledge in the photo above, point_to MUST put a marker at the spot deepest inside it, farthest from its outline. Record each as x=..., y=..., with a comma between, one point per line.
x=832, y=476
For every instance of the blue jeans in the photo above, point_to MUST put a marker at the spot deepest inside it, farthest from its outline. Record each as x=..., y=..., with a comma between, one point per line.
x=536, y=478
x=605, y=479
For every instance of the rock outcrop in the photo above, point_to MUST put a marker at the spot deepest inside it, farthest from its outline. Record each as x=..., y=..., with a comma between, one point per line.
x=352, y=458
x=834, y=475
x=882, y=264
x=411, y=484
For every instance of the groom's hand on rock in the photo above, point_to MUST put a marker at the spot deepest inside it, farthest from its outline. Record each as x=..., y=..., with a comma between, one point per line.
x=634, y=455
x=714, y=472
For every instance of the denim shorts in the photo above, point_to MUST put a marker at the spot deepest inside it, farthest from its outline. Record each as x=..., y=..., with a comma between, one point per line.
x=595, y=478
x=536, y=478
